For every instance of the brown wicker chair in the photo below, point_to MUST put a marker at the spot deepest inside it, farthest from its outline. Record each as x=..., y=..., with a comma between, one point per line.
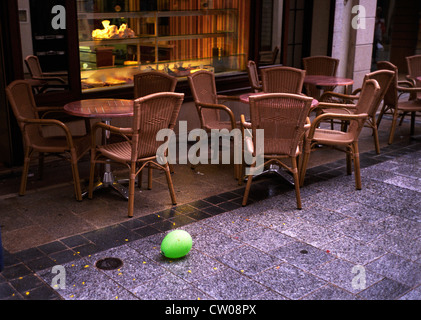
x=149, y=82
x=153, y=82
x=139, y=150
x=384, y=79
x=319, y=65
x=414, y=69
x=339, y=140
x=282, y=116
x=392, y=104
x=46, y=80
x=255, y=83
x=283, y=80
x=207, y=101
x=267, y=58
x=23, y=105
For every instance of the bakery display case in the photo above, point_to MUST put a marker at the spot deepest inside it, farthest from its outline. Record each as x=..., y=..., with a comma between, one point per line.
x=118, y=39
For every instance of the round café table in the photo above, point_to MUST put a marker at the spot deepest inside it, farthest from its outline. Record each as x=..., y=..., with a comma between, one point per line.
x=104, y=109
x=328, y=81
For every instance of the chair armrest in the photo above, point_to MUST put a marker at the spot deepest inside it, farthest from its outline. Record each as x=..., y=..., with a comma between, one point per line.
x=409, y=90
x=55, y=74
x=111, y=128
x=331, y=105
x=244, y=123
x=105, y=127
x=221, y=97
x=49, y=109
x=51, y=122
x=220, y=107
x=342, y=96
x=50, y=79
x=334, y=116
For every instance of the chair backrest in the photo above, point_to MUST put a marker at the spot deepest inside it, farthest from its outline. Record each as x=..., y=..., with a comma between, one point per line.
x=282, y=117
x=414, y=66
x=368, y=97
x=21, y=99
x=275, y=54
x=283, y=80
x=253, y=76
x=384, y=78
x=203, y=88
x=32, y=63
x=391, y=96
x=153, y=82
x=151, y=114
x=321, y=65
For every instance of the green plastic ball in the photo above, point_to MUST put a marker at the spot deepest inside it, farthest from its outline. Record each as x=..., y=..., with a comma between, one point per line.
x=176, y=244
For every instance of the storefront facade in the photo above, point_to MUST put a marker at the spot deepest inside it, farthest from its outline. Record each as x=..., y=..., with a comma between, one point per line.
x=102, y=43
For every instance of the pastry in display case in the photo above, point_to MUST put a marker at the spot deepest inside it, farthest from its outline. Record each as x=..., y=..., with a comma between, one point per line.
x=118, y=39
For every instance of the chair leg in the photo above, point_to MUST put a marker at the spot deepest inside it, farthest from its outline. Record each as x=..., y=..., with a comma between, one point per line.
x=76, y=179
x=393, y=128
x=139, y=180
x=25, y=170
x=150, y=174
x=402, y=117
x=349, y=162
x=170, y=184
x=412, y=123
x=373, y=125
x=41, y=166
x=296, y=182
x=131, y=190
x=91, y=175
x=306, y=156
x=382, y=111
x=247, y=190
x=357, y=165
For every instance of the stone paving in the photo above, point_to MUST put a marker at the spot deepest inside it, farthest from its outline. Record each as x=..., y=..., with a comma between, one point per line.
x=343, y=245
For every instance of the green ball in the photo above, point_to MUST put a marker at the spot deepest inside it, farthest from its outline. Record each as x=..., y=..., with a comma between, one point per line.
x=176, y=244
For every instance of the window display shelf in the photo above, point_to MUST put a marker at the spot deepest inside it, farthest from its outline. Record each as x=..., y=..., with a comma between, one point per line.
x=114, y=46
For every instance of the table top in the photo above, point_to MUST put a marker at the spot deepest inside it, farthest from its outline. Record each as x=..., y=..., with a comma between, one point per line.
x=245, y=98
x=327, y=81
x=100, y=108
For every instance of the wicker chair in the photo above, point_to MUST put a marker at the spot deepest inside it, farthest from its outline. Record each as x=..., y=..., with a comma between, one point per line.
x=282, y=116
x=384, y=79
x=149, y=82
x=255, y=83
x=153, y=82
x=45, y=80
x=139, y=150
x=23, y=105
x=392, y=104
x=339, y=140
x=414, y=69
x=319, y=65
x=203, y=88
x=267, y=58
x=283, y=80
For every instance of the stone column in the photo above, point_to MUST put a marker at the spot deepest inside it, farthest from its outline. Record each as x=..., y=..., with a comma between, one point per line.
x=353, y=38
